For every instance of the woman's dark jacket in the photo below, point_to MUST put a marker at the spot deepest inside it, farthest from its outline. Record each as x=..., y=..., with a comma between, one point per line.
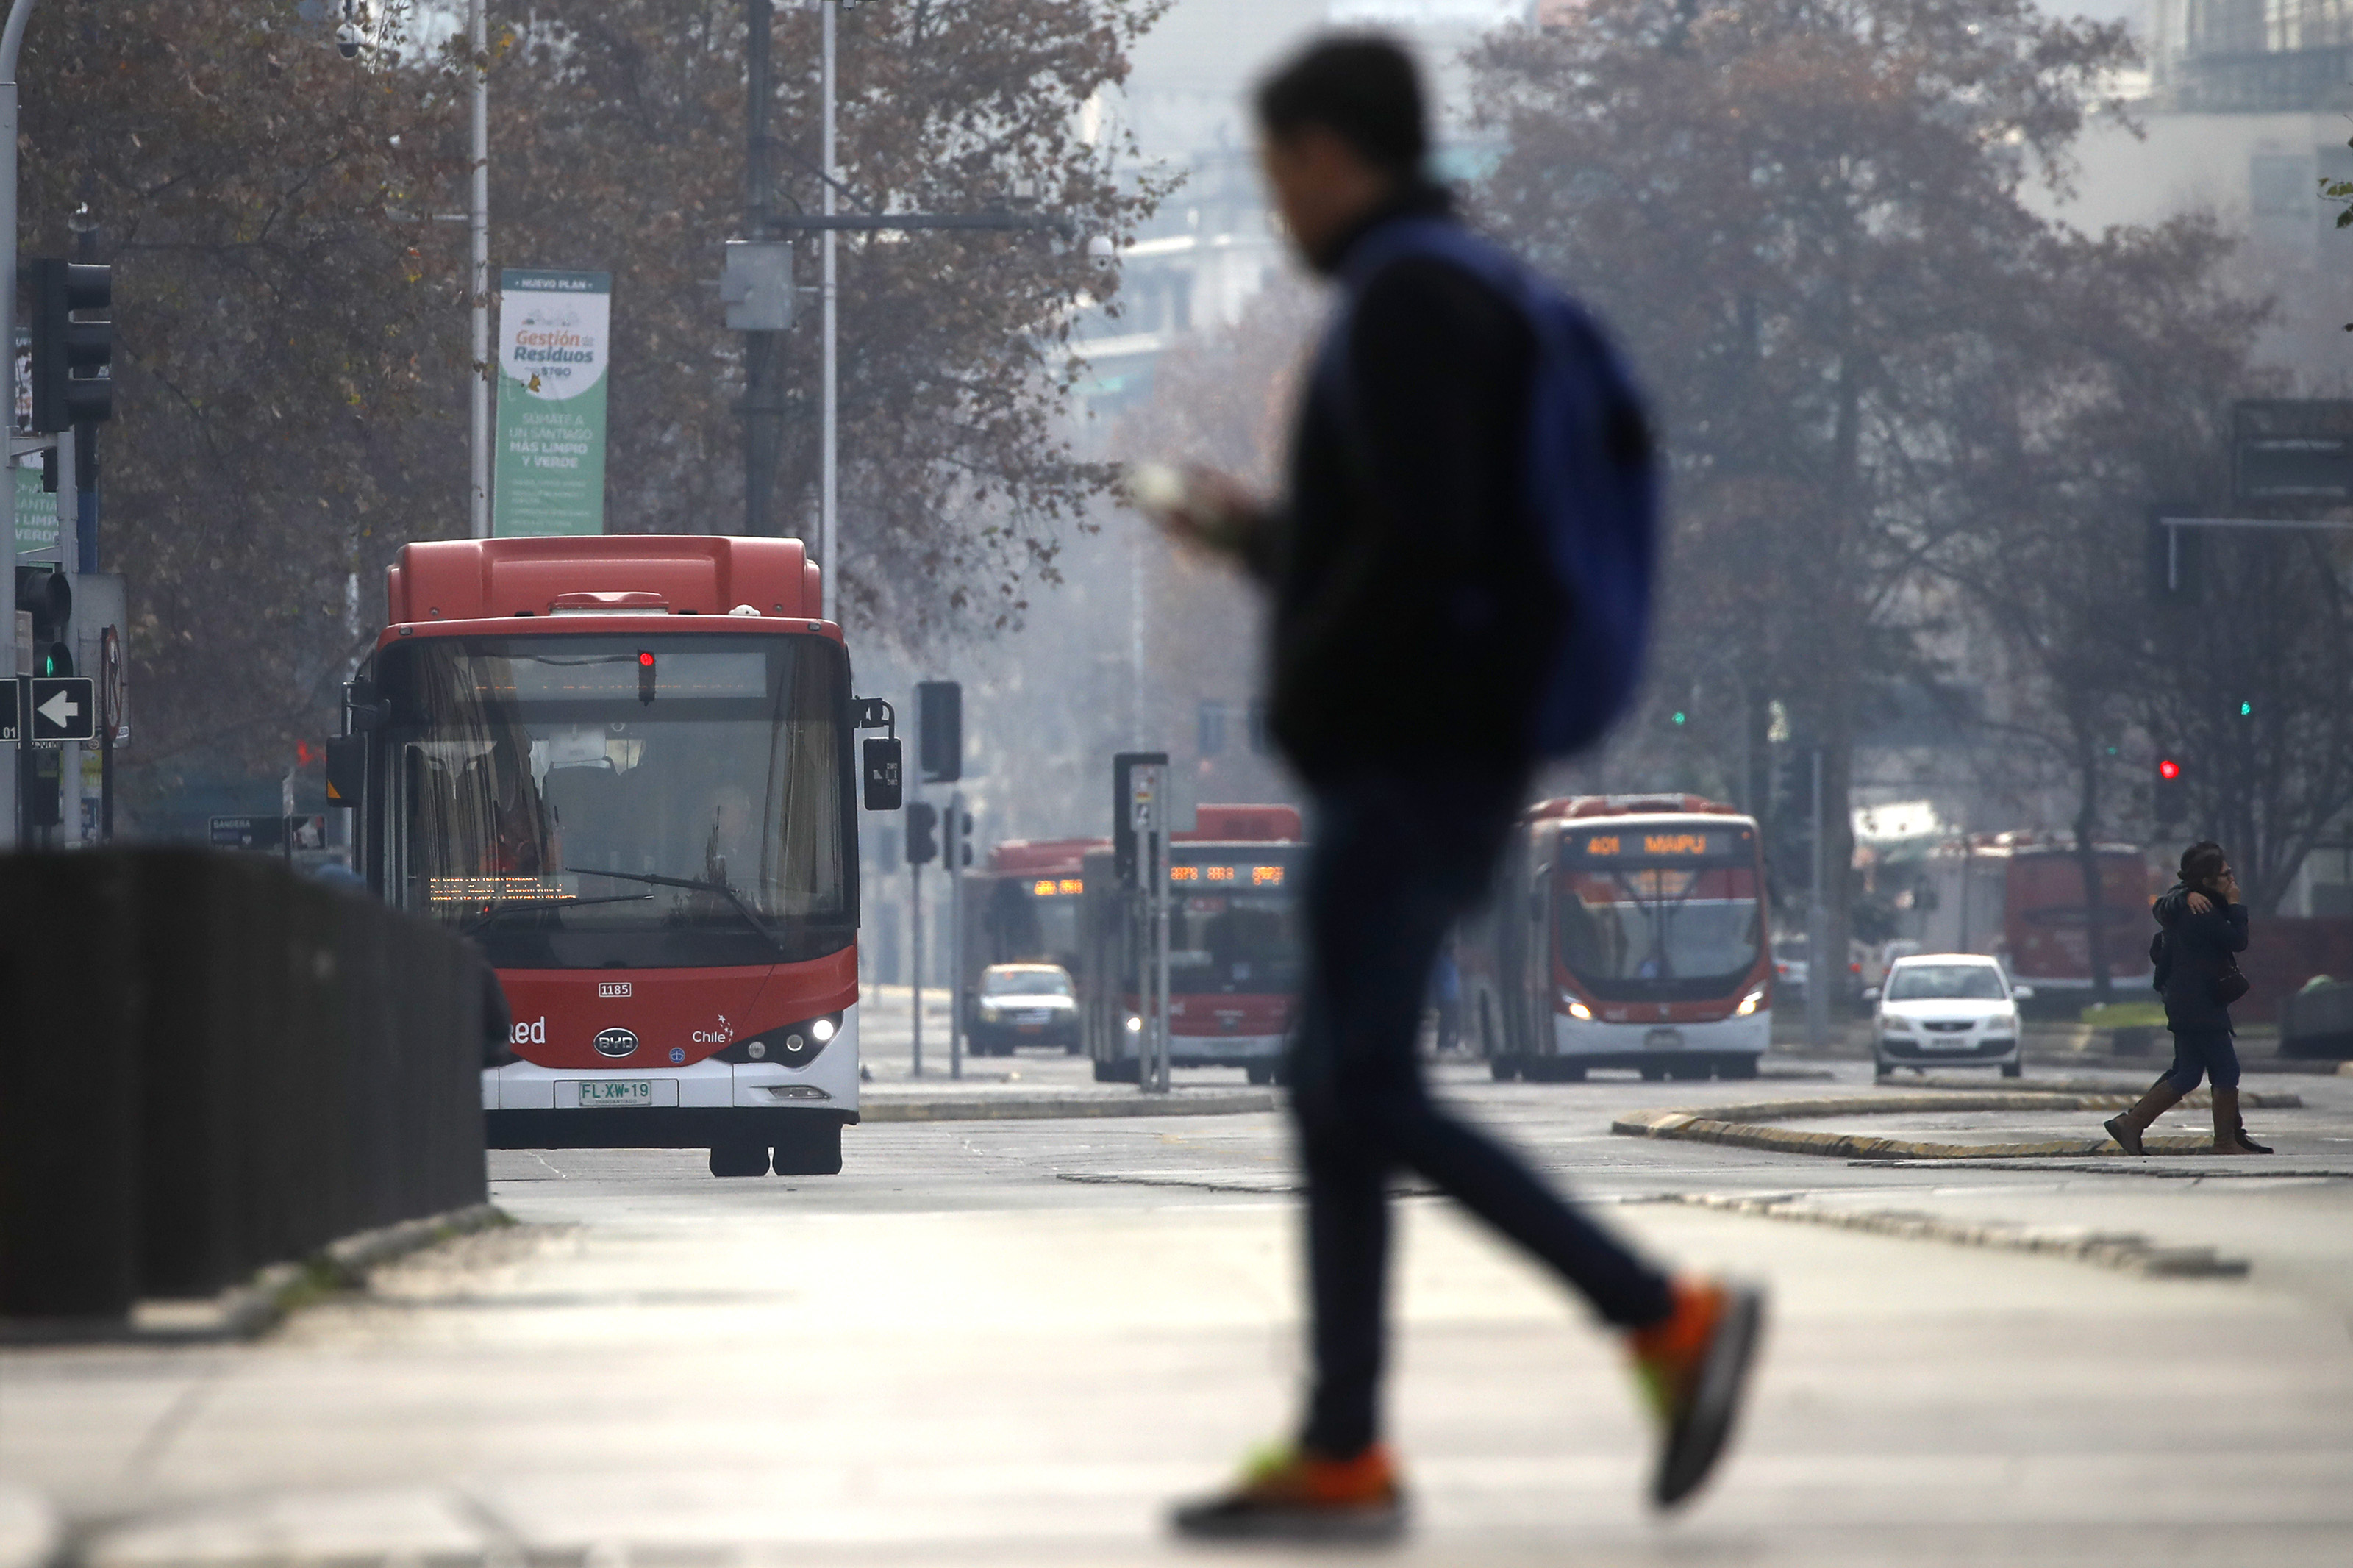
x=2199, y=949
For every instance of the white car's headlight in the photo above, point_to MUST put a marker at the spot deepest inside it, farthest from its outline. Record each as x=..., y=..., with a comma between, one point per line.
x=1896, y=1025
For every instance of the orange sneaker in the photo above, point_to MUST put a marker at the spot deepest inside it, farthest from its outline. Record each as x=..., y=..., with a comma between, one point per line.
x=1292, y=1495
x=1694, y=1367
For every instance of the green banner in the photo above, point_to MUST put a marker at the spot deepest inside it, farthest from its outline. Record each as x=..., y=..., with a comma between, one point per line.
x=36, y=509
x=555, y=332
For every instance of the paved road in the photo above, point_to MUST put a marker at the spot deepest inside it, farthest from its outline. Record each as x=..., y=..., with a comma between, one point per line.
x=1009, y=1343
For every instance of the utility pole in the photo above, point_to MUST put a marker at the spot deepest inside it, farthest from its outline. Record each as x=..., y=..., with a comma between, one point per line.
x=763, y=410
x=1820, y=972
x=829, y=473
x=11, y=44
x=478, y=228
x=951, y=852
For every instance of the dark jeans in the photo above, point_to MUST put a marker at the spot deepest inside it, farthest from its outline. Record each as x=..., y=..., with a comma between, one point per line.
x=2208, y=1051
x=1394, y=862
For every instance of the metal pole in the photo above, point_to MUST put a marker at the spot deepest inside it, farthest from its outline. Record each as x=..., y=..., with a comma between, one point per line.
x=69, y=440
x=761, y=421
x=1160, y=936
x=478, y=228
x=952, y=846
x=828, y=524
x=915, y=943
x=12, y=43
x=1818, y=967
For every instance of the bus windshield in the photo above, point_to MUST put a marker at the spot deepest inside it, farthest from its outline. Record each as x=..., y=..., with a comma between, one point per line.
x=589, y=801
x=1660, y=916
x=1233, y=922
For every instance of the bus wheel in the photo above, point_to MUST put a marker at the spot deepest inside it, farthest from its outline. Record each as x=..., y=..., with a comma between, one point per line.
x=815, y=1153
x=1126, y=1070
x=1735, y=1067
x=1503, y=1069
x=1653, y=1071
x=1258, y=1075
x=740, y=1160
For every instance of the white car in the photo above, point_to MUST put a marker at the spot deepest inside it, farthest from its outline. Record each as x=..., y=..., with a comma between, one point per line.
x=1945, y=1009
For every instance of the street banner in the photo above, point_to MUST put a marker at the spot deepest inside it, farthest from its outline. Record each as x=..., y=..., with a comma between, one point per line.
x=555, y=332
x=36, y=509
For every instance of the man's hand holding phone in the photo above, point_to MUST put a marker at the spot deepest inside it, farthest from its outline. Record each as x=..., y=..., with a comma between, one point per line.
x=1198, y=506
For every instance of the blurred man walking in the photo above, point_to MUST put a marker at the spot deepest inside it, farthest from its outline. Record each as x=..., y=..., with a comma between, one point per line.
x=2202, y=925
x=1418, y=618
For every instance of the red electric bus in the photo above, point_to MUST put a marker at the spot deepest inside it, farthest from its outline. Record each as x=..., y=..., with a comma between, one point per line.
x=1627, y=930
x=623, y=765
x=1236, y=956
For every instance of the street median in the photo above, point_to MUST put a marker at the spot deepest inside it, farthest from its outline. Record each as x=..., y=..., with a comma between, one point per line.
x=923, y=1105
x=1747, y=1125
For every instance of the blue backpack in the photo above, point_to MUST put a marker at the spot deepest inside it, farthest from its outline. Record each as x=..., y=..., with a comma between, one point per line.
x=1595, y=510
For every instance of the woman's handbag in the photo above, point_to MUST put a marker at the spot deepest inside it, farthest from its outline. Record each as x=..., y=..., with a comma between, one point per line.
x=2229, y=985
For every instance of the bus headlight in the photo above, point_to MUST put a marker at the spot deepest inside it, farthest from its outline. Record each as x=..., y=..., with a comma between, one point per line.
x=794, y=1046
x=1580, y=1012
x=1750, y=1003
x=1134, y=1025
x=990, y=1013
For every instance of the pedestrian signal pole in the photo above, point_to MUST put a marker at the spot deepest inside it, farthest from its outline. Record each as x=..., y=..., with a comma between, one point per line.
x=921, y=817
x=952, y=848
x=1820, y=969
x=1148, y=798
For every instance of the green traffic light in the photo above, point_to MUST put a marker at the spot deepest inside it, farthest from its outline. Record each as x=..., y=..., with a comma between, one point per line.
x=1679, y=716
x=2246, y=709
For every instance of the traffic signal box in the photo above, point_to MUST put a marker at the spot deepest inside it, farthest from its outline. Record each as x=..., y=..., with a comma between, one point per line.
x=44, y=593
x=922, y=833
x=2170, y=794
x=73, y=344
x=939, y=731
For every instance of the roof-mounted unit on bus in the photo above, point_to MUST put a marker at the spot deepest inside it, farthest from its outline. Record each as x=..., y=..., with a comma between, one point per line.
x=1574, y=806
x=601, y=573
x=1242, y=825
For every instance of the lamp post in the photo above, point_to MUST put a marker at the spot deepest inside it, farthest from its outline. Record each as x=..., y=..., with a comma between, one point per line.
x=12, y=43
x=478, y=228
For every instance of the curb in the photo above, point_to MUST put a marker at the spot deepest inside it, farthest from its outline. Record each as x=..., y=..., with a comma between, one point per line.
x=1020, y=1107
x=246, y=1311
x=1734, y=1125
x=2128, y=1250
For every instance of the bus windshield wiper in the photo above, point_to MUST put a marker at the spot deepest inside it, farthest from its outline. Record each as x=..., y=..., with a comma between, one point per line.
x=700, y=885
x=509, y=906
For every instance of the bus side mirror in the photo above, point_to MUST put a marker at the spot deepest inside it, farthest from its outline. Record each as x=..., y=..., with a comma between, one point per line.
x=880, y=772
x=346, y=769
x=2021, y=993
x=366, y=711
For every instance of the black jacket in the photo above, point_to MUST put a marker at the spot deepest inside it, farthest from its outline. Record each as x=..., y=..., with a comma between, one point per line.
x=1414, y=612
x=2199, y=949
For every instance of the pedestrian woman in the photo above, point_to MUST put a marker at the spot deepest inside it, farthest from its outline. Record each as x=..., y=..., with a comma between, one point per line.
x=2203, y=926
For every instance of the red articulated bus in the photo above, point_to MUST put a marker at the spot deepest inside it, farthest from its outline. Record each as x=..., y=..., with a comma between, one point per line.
x=1627, y=930
x=1236, y=956
x=623, y=765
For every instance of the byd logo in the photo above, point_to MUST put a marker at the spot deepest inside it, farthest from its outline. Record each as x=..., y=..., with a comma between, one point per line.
x=615, y=1043
x=532, y=1034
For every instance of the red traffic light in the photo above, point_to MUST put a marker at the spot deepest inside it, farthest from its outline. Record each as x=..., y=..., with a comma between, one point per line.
x=2167, y=768
x=647, y=659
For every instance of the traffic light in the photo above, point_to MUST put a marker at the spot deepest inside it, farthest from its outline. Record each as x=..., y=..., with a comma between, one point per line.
x=2169, y=796
x=44, y=595
x=963, y=837
x=923, y=838
x=73, y=344
x=939, y=731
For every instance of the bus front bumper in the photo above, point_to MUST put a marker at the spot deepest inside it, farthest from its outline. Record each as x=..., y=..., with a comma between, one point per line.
x=1597, y=1043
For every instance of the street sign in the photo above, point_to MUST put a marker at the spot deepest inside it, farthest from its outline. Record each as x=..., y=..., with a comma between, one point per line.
x=65, y=708
x=11, y=722
x=247, y=832
x=2292, y=450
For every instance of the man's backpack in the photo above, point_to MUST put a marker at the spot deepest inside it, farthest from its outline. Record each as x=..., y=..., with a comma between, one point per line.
x=1591, y=485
